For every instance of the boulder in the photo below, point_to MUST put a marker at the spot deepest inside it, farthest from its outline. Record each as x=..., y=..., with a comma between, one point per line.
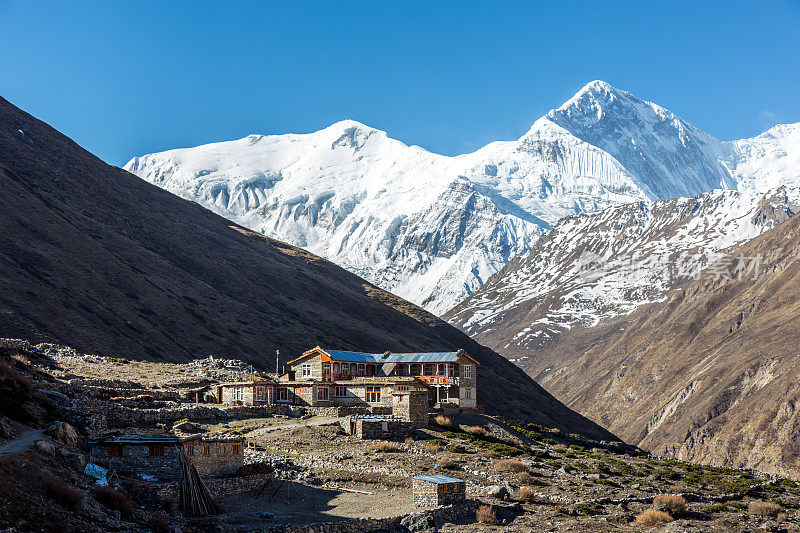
x=46, y=447
x=419, y=522
x=63, y=433
x=497, y=491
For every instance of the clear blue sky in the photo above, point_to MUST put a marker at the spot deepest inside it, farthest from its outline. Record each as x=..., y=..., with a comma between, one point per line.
x=126, y=78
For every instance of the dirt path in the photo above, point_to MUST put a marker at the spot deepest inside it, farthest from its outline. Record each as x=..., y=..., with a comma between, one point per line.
x=316, y=421
x=28, y=437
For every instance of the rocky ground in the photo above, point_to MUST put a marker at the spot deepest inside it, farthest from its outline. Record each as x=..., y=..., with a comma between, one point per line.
x=528, y=477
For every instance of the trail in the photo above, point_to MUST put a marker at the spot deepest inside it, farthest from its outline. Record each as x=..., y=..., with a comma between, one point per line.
x=28, y=437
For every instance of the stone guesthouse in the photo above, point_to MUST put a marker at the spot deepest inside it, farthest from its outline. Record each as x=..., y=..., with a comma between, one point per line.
x=325, y=378
x=158, y=456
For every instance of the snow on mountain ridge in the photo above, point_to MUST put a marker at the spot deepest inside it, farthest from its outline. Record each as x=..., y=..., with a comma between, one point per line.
x=433, y=228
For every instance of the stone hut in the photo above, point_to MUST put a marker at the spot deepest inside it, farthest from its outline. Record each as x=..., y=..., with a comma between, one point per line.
x=432, y=491
x=377, y=427
x=158, y=456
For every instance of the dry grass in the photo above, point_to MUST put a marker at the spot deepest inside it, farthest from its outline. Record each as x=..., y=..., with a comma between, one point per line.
x=510, y=465
x=525, y=494
x=768, y=509
x=485, y=514
x=675, y=502
x=476, y=430
x=386, y=447
x=443, y=421
x=652, y=518
x=114, y=499
x=62, y=492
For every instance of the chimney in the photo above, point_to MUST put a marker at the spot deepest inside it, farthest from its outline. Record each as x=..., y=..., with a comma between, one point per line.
x=385, y=355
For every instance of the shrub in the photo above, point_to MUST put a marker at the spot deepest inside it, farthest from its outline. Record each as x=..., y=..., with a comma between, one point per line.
x=587, y=508
x=651, y=518
x=717, y=508
x=433, y=445
x=767, y=509
x=485, y=515
x=62, y=492
x=675, y=502
x=446, y=463
x=386, y=447
x=476, y=430
x=510, y=465
x=409, y=441
x=525, y=494
x=443, y=421
x=114, y=499
x=526, y=478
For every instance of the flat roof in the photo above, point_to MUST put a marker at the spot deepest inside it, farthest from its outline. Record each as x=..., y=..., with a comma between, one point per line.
x=440, y=479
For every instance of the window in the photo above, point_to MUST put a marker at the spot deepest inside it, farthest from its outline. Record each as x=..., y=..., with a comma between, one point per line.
x=190, y=450
x=373, y=395
x=341, y=391
x=361, y=369
x=156, y=450
x=261, y=393
x=223, y=450
x=416, y=370
x=428, y=370
x=283, y=394
x=326, y=371
x=235, y=449
x=370, y=370
x=345, y=370
x=467, y=394
x=206, y=450
x=322, y=394
x=403, y=388
x=305, y=370
x=467, y=371
x=113, y=451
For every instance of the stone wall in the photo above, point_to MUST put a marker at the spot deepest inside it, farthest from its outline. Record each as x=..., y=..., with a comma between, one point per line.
x=411, y=405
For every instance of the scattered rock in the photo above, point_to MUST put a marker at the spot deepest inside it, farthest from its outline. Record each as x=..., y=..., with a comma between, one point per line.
x=497, y=491
x=419, y=522
x=46, y=447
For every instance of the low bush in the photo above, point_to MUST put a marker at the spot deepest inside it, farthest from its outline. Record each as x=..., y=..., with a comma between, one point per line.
x=443, y=421
x=590, y=509
x=62, y=492
x=475, y=430
x=526, y=478
x=525, y=494
x=510, y=465
x=651, y=518
x=446, y=463
x=717, y=508
x=767, y=509
x=386, y=447
x=485, y=514
x=675, y=502
x=114, y=499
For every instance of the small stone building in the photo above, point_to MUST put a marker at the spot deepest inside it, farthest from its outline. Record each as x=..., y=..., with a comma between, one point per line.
x=377, y=427
x=159, y=456
x=432, y=491
x=255, y=392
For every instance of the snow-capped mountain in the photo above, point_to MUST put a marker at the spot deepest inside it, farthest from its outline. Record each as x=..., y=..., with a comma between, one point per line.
x=433, y=228
x=596, y=267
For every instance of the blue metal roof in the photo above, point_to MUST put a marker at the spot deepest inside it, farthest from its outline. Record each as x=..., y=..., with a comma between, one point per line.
x=439, y=479
x=379, y=358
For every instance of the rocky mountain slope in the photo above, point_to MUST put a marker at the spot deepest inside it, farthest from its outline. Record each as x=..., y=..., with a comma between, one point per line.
x=711, y=373
x=433, y=229
x=594, y=268
x=98, y=259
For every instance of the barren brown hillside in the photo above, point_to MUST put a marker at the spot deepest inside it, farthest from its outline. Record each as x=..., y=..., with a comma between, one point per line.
x=710, y=375
x=94, y=257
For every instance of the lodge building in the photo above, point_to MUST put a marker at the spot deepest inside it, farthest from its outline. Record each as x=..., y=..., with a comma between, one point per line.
x=322, y=377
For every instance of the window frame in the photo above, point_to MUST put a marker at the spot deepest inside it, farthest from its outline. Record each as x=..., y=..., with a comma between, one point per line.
x=372, y=394
x=342, y=389
x=327, y=394
x=305, y=370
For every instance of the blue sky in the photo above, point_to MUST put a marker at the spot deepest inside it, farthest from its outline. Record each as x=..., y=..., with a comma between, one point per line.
x=126, y=78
